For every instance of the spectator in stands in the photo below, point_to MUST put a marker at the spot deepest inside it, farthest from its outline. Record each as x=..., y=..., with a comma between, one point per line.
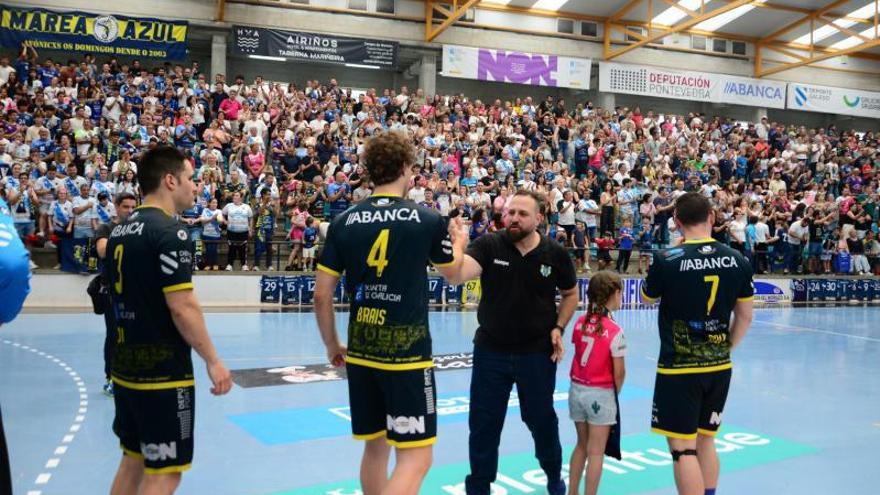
x=625, y=241
x=611, y=164
x=238, y=218
x=310, y=239
x=856, y=248
x=211, y=219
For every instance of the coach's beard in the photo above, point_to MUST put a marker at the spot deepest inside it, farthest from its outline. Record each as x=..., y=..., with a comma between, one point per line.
x=515, y=233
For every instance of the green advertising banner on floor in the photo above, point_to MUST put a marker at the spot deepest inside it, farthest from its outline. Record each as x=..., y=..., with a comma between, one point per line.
x=646, y=466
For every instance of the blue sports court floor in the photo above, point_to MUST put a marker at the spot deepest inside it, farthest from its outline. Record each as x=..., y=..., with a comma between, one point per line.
x=803, y=415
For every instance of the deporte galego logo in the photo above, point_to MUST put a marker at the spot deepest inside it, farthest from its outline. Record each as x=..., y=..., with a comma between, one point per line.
x=851, y=103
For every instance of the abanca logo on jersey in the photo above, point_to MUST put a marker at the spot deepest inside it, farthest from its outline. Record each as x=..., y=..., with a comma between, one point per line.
x=398, y=215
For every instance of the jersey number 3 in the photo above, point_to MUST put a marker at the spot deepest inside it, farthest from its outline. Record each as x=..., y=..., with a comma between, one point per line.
x=117, y=257
x=378, y=257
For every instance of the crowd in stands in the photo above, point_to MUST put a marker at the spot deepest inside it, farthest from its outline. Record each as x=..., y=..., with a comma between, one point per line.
x=276, y=160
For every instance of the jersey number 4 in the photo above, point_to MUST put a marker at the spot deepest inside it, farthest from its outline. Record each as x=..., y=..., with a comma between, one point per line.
x=378, y=257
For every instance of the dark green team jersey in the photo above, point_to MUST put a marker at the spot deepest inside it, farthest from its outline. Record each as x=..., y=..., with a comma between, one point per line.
x=148, y=256
x=698, y=284
x=383, y=246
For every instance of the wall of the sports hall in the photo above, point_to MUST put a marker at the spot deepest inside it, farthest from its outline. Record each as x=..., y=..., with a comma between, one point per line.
x=851, y=72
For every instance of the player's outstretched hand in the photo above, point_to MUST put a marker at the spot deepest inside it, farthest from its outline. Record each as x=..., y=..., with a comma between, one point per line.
x=336, y=355
x=457, y=232
x=221, y=378
x=558, y=347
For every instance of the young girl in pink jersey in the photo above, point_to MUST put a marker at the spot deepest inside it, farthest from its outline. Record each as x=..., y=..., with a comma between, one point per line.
x=596, y=370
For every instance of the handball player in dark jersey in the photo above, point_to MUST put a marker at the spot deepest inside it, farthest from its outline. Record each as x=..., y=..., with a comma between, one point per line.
x=383, y=246
x=125, y=204
x=699, y=284
x=159, y=322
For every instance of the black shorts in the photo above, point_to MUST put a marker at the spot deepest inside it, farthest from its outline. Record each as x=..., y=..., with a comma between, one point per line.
x=604, y=255
x=156, y=426
x=5, y=473
x=685, y=405
x=400, y=405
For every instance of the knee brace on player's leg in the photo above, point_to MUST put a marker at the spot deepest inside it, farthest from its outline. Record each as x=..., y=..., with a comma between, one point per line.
x=676, y=454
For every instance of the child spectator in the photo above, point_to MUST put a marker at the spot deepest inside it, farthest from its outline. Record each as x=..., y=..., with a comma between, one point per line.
x=624, y=246
x=310, y=238
x=298, y=218
x=603, y=250
x=581, y=243
x=597, y=374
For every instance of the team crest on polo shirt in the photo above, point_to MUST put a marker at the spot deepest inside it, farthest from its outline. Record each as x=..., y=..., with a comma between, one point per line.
x=546, y=270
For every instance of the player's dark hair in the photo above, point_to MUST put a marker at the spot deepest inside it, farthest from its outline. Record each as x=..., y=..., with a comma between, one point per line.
x=692, y=208
x=602, y=286
x=537, y=197
x=158, y=162
x=123, y=196
x=387, y=155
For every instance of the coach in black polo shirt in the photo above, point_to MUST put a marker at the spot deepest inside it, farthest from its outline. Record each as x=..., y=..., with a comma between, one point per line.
x=519, y=339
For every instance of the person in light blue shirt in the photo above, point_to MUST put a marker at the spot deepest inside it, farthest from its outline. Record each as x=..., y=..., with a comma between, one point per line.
x=14, y=288
x=503, y=166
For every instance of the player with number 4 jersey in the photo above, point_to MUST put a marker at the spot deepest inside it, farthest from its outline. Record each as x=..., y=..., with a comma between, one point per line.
x=383, y=246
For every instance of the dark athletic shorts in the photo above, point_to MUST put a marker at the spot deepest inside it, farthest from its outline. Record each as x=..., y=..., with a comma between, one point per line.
x=400, y=405
x=156, y=426
x=687, y=404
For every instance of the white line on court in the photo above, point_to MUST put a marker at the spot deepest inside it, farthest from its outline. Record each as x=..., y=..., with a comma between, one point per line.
x=816, y=330
x=53, y=462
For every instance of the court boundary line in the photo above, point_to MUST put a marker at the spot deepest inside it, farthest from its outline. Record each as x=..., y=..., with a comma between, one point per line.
x=816, y=330
x=52, y=463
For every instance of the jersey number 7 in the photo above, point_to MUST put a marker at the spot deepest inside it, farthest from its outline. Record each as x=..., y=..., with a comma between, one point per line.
x=714, y=280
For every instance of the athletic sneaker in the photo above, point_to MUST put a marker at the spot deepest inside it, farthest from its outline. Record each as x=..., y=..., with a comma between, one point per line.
x=271, y=268
x=244, y=268
x=228, y=268
x=50, y=245
x=108, y=388
x=33, y=265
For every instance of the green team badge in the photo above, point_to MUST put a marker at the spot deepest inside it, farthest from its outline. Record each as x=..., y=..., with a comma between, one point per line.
x=546, y=270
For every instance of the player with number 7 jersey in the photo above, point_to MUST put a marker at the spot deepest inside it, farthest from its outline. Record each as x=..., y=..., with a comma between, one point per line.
x=699, y=284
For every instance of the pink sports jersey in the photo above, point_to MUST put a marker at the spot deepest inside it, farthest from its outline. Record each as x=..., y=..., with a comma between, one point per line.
x=592, y=365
